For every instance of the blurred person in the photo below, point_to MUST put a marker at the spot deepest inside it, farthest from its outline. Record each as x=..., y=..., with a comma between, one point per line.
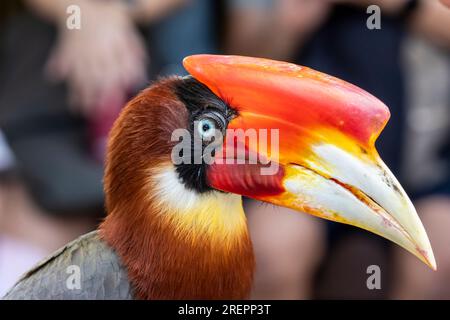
x=332, y=36
x=426, y=165
x=58, y=193
x=60, y=91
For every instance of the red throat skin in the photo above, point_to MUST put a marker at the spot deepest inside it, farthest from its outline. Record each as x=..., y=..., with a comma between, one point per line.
x=175, y=244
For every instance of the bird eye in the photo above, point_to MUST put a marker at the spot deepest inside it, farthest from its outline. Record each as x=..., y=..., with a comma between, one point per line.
x=206, y=128
x=210, y=124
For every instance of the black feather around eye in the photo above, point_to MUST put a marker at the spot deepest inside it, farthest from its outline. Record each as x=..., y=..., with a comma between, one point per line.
x=201, y=103
x=199, y=99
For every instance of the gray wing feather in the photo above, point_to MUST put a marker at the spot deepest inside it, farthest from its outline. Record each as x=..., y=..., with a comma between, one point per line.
x=86, y=268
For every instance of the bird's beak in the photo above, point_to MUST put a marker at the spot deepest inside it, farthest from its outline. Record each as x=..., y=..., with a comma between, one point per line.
x=315, y=144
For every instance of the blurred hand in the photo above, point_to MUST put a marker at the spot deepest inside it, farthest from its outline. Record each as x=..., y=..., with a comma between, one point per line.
x=101, y=61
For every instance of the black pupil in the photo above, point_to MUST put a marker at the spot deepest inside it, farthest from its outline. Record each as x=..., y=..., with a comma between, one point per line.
x=206, y=127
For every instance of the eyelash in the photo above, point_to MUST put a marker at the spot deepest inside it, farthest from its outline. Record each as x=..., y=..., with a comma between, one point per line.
x=215, y=116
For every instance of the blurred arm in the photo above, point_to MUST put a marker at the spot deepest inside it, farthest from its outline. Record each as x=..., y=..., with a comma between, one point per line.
x=144, y=11
x=272, y=28
x=53, y=11
x=141, y=11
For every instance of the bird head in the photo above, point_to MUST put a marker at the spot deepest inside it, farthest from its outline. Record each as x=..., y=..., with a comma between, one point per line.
x=268, y=130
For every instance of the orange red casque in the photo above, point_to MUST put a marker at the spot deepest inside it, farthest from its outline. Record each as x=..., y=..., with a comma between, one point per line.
x=287, y=92
x=303, y=104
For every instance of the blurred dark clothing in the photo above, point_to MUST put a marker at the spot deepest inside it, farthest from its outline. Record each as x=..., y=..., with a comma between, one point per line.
x=51, y=143
x=192, y=30
x=370, y=59
x=9, y=8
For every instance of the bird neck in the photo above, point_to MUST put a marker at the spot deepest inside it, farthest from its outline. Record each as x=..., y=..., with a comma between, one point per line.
x=178, y=244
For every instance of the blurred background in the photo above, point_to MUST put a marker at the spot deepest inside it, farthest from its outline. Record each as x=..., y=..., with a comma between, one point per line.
x=61, y=89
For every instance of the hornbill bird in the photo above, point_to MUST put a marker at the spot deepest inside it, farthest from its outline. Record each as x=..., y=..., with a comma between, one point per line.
x=178, y=230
